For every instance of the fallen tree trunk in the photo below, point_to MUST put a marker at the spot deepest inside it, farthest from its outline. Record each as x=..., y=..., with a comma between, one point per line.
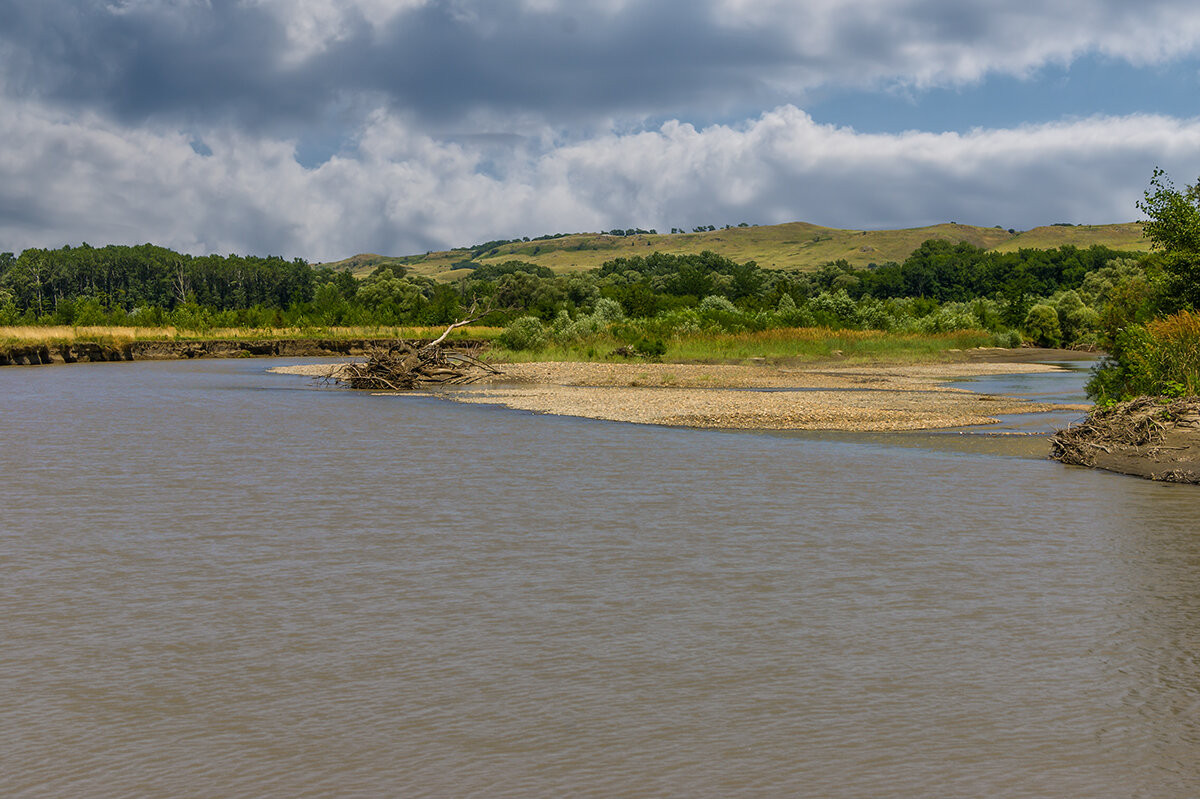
x=403, y=367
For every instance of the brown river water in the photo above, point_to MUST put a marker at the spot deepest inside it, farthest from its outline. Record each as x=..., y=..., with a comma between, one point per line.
x=219, y=582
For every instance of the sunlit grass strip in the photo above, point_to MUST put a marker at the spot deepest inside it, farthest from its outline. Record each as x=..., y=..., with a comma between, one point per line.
x=817, y=343
x=65, y=334
x=804, y=343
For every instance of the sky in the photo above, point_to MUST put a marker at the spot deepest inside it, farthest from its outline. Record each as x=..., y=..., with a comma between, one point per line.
x=323, y=128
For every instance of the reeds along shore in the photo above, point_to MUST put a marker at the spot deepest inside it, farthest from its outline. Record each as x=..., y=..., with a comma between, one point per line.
x=37, y=345
x=99, y=351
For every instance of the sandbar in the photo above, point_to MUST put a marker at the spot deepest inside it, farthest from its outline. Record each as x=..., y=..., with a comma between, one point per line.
x=756, y=395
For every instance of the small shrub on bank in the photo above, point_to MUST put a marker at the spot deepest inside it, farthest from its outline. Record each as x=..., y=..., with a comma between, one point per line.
x=525, y=333
x=1159, y=358
x=1008, y=338
x=1041, y=323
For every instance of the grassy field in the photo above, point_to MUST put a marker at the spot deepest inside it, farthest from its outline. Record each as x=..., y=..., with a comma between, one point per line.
x=21, y=336
x=796, y=246
x=781, y=344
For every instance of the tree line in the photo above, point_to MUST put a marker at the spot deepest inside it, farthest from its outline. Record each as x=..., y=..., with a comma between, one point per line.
x=46, y=285
x=1060, y=296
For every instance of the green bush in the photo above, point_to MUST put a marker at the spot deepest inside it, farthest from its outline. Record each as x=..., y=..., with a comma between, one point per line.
x=651, y=349
x=1041, y=323
x=1161, y=358
x=834, y=310
x=525, y=333
x=1078, y=322
x=1007, y=338
x=950, y=317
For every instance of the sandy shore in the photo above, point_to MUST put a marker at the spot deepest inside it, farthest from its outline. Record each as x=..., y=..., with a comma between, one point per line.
x=864, y=397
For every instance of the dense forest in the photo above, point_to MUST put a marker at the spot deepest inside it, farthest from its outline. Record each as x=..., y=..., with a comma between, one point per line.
x=1059, y=296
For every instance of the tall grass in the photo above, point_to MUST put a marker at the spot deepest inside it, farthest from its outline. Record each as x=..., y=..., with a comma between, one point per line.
x=1161, y=358
x=814, y=343
x=64, y=334
x=804, y=344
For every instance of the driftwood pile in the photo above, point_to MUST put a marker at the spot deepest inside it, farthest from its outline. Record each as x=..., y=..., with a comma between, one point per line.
x=1139, y=425
x=408, y=365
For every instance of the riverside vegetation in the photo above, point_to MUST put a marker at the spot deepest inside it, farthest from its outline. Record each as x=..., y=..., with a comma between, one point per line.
x=944, y=295
x=1158, y=351
x=1147, y=416
x=1139, y=307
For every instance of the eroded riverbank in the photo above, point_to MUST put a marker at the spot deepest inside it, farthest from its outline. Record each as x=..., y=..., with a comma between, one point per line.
x=148, y=350
x=1150, y=437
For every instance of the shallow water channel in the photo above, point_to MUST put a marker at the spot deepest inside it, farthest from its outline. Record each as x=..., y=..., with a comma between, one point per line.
x=220, y=582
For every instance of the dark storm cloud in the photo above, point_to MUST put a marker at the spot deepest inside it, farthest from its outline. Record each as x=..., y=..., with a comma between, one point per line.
x=446, y=60
x=651, y=59
x=214, y=125
x=198, y=62
x=226, y=61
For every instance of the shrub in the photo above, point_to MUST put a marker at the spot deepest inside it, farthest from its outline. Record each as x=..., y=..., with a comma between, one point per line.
x=716, y=303
x=1008, y=338
x=1159, y=358
x=1077, y=321
x=719, y=313
x=607, y=310
x=834, y=310
x=525, y=333
x=1041, y=323
x=950, y=317
x=988, y=313
x=874, y=314
x=651, y=349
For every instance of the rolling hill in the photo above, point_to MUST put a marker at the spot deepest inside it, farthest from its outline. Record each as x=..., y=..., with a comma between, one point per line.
x=795, y=245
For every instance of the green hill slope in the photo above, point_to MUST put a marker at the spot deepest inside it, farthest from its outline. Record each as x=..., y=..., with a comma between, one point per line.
x=795, y=245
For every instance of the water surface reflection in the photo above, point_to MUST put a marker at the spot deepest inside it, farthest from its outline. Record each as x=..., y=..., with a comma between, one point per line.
x=222, y=582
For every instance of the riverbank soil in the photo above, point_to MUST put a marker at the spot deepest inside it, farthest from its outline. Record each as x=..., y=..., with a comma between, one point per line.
x=154, y=350
x=1152, y=437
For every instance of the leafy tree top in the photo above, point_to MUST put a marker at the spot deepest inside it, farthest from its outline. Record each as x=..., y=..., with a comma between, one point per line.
x=1174, y=215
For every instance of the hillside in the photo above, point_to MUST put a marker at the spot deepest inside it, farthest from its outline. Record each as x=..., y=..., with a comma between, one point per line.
x=795, y=245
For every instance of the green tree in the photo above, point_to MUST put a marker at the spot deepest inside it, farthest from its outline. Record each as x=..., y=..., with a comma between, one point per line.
x=1075, y=318
x=1042, y=326
x=8, y=308
x=1174, y=227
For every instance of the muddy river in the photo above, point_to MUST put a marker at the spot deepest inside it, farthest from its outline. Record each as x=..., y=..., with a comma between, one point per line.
x=220, y=582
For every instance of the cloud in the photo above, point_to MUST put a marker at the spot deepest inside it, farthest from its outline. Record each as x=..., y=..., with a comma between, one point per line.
x=276, y=64
x=398, y=190
x=784, y=167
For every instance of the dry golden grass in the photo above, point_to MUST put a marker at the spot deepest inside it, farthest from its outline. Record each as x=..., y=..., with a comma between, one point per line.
x=795, y=246
x=790, y=343
x=1125, y=236
x=57, y=334
x=1177, y=341
x=63, y=334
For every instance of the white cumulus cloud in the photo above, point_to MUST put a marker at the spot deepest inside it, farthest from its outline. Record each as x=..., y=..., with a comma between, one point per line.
x=74, y=178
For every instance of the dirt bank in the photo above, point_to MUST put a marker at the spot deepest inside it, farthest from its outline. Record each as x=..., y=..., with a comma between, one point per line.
x=1150, y=437
x=85, y=351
